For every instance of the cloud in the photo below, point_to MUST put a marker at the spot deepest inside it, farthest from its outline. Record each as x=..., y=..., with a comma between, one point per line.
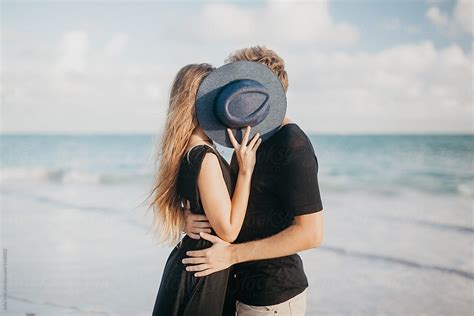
x=463, y=15
x=409, y=87
x=278, y=22
x=154, y=91
x=75, y=86
x=459, y=21
x=73, y=50
x=79, y=88
x=435, y=15
x=116, y=45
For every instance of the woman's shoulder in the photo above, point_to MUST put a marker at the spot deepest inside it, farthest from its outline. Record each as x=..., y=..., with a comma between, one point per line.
x=195, y=155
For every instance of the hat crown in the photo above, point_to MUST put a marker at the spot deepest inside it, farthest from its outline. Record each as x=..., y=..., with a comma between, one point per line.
x=242, y=103
x=265, y=113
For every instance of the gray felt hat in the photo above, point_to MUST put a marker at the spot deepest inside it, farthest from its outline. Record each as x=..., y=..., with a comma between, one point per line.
x=238, y=95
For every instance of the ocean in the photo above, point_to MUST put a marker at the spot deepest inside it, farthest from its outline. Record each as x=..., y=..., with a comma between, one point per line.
x=398, y=212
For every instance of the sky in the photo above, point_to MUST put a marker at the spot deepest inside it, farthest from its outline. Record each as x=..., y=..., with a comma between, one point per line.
x=354, y=66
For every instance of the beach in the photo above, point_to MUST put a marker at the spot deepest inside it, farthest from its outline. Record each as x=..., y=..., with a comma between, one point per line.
x=398, y=213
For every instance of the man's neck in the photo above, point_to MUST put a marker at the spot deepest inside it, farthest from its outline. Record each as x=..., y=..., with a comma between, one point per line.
x=286, y=120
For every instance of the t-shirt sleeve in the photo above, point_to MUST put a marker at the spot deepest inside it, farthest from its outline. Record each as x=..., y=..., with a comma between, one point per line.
x=299, y=187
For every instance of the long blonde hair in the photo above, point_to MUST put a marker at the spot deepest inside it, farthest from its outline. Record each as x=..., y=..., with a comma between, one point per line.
x=168, y=217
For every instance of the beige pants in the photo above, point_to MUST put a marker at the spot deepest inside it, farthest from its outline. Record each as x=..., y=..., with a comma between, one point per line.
x=295, y=306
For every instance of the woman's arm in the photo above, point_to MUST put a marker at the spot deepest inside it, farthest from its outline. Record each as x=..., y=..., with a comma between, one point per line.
x=226, y=215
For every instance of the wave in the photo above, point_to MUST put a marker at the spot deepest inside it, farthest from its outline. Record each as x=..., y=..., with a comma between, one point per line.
x=395, y=188
x=71, y=176
x=331, y=182
x=440, y=226
x=66, y=205
x=70, y=308
x=466, y=189
x=398, y=261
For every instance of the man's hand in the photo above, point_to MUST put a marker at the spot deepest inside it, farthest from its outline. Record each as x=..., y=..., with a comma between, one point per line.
x=212, y=259
x=195, y=224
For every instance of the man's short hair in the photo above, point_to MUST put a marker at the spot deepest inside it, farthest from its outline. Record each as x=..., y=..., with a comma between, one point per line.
x=263, y=55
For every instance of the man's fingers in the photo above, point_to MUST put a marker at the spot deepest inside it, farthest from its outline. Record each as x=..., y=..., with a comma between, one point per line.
x=202, y=224
x=194, y=235
x=254, y=140
x=210, y=237
x=245, y=139
x=194, y=217
x=198, y=218
x=196, y=253
x=204, y=273
x=198, y=267
x=194, y=260
x=197, y=230
x=232, y=139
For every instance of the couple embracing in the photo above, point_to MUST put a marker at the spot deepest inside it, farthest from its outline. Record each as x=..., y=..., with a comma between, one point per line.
x=244, y=221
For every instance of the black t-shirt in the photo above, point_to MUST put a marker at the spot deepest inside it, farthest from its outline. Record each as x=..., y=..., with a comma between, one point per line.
x=284, y=185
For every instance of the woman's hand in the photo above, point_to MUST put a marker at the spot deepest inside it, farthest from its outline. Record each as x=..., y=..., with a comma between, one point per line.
x=245, y=153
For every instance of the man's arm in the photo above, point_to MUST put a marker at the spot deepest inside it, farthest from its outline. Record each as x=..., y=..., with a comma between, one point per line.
x=306, y=232
x=195, y=223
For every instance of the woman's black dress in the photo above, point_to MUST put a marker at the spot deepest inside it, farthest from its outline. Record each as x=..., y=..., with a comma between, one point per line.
x=180, y=292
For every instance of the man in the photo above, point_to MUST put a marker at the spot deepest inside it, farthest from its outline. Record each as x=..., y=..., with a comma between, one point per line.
x=283, y=217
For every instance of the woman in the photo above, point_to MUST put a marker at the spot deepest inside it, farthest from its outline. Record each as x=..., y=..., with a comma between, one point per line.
x=191, y=169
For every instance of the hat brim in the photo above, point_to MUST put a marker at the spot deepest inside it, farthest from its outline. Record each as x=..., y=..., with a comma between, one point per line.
x=225, y=74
